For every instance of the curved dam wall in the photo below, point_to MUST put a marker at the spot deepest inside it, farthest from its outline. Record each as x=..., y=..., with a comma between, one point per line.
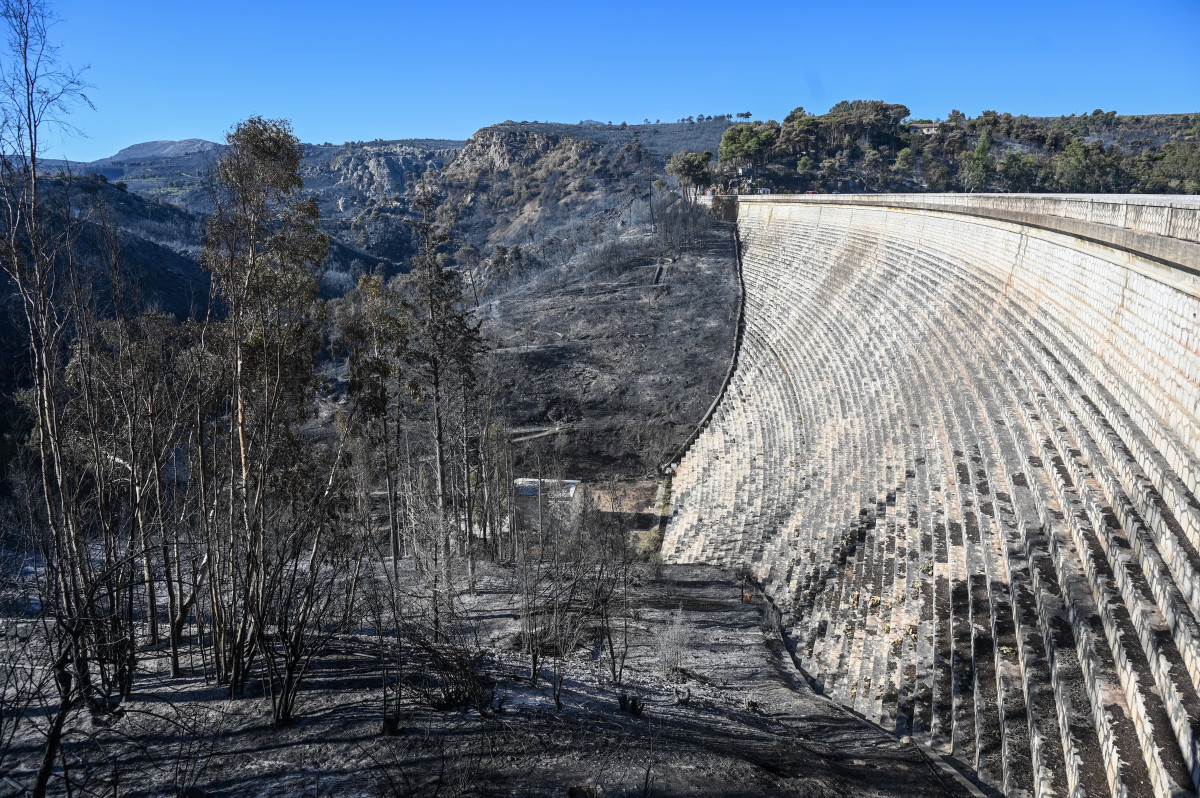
x=961, y=448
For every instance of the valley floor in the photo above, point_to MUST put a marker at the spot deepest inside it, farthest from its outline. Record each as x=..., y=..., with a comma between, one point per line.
x=736, y=718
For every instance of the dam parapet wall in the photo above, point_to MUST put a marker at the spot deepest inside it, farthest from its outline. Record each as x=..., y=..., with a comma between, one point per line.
x=1163, y=228
x=961, y=447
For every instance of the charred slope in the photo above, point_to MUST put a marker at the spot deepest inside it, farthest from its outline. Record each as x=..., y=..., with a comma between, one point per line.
x=609, y=340
x=158, y=251
x=605, y=333
x=610, y=361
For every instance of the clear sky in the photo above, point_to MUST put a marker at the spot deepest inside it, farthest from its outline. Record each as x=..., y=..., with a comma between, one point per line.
x=174, y=69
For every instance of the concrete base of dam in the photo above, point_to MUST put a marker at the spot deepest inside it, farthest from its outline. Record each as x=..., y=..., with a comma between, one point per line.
x=961, y=448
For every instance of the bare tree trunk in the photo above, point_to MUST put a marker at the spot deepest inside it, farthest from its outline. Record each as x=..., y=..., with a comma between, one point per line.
x=443, y=532
x=54, y=734
x=469, y=527
x=393, y=519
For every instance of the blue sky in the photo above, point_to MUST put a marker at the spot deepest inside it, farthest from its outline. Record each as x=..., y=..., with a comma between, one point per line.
x=365, y=70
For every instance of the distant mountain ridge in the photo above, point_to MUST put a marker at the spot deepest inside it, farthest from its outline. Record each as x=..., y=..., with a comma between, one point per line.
x=161, y=149
x=362, y=186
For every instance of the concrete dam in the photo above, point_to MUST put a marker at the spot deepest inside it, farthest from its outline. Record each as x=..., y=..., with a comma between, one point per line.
x=960, y=448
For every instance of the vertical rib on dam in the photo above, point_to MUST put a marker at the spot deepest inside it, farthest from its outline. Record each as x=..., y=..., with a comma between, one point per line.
x=961, y=448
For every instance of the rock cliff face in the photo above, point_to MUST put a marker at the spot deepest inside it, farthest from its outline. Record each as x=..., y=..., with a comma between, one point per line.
x=964, y=453
x=361, y=189
x=517, y=185
x=492, y=151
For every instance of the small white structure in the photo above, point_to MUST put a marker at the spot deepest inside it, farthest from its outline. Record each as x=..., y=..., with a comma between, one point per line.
x=541, y=503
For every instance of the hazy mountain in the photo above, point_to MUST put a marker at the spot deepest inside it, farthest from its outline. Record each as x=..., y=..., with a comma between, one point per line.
x=160, y=149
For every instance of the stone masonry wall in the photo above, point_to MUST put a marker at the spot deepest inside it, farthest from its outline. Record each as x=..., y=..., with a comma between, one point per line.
x=962, y=449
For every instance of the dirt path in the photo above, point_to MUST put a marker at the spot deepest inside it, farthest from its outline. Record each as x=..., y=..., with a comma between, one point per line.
x=753, y=725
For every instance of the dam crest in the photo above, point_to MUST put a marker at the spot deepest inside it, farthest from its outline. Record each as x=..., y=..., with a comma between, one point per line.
x=961, y=450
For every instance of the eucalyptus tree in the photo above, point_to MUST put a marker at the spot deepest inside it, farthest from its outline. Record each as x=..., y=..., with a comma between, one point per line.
x=692, y=169
x=444, y=344
x=371, y=330
x=38, y=233
x=264, y=250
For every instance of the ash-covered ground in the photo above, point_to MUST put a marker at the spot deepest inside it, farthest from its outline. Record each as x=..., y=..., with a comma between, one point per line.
x=725, y=713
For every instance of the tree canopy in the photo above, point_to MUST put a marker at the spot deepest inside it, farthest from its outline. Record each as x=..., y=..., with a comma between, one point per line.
x=691, y=168
x=871, y=145
x=748, y=144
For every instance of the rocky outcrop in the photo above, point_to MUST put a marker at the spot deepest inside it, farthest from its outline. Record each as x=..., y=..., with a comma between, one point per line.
x=515, y=185
x=494, y=151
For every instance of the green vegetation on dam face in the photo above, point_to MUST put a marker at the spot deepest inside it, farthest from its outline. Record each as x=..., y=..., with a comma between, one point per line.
x=964, y=456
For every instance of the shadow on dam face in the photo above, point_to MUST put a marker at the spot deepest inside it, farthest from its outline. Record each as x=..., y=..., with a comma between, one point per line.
x=962, y=445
